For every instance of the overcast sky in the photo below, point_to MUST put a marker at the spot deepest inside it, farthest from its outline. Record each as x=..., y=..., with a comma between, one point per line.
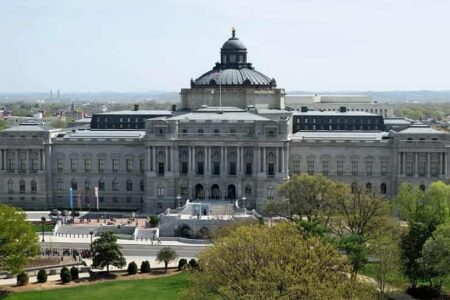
x=94, y=45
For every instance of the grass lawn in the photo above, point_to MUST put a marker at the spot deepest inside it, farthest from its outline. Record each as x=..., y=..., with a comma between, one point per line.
x=38, y=227
x=164, y=288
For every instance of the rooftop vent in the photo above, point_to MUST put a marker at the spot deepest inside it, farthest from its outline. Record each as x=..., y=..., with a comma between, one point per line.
x=304, y=109
x=136, y=107
x=342, y=109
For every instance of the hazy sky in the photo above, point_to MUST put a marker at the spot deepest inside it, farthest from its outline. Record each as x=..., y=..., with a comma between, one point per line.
x=133, y=45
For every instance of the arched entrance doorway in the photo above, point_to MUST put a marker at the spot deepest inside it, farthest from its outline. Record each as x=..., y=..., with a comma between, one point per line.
x=231, y=191
x=215, y=191
x=199, y=191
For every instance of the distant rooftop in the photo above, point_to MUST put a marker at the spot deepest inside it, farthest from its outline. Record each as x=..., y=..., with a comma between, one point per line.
x=116, y=134
x=334, y=113
x=421, y=129
x=137, y=112
x=339, y=135
x=217, y=108
x=224, y=116
x=30, y=127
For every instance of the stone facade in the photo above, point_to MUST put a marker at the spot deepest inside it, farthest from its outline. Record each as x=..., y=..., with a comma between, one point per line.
x=208, y=152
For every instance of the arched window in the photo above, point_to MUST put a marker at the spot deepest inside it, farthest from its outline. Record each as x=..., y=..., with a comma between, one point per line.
x=115, y=185
x=59, y=184
x=10, y=186
x=129, y=185
x=368, y=187
x=248, y=190
x=383, y=188
x=215, y=191
x=22, y=187
x=199, y=191
x=101, y=185
x=87, y=184
x=74, y=185
x=142, y=185
x=33, y=186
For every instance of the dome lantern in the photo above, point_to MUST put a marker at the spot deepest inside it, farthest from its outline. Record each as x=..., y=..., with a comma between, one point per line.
x=233, y=51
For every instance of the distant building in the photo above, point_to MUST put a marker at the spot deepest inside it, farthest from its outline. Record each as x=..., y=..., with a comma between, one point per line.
x=352, y=103
x=234, y=138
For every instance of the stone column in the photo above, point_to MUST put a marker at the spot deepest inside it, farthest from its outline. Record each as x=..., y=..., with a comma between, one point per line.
x=264, y=160
x=149, y=159
x=277, y=159
x=416, y=161
x=28, y=161
x=154, y=158
x=445, y=164
x=193, y=160
x=403, y=163
x=225, y=165
x=428, y=164
x=205, y=159
x=166, y=154
x=222, y=160
x=283, y=161
x=400, y=163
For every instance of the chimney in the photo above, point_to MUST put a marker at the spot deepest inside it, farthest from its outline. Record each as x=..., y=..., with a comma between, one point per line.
x=174, y=107
x=136, y=107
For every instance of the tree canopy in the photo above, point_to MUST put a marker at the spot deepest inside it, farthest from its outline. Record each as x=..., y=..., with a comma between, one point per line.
x=107, y=252
x=166, y=255
x=18, y=241
x=279, y=262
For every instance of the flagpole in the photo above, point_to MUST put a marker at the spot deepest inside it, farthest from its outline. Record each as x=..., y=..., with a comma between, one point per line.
x=220, y=88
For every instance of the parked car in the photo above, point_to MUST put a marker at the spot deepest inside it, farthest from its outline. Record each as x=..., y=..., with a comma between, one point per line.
x=54, y=212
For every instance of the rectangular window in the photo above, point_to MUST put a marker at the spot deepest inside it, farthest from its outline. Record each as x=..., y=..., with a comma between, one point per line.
x=129, y=165
x=296, y=166
x=87, y=165
x=270, y=192
x=101, y=199
x=422, y=167
x=160, y=191
x=101, y=185
x=354, y=168
x=232, y=170
x=34, y=165
x=59, y=164
x=11, y=165
x=248, y=169
x=115, y=185
x=409, y=168
x=200, y=168
x=310, y=164
x=22, y=165
x=368, y=168
x=384, y=168
x=60, y=185
x=73, y=165
x=129, y=186
x=115, y=165
x=101, y=165
x=270, y=169
x=184, y=168
x=325, y=168
x=216, y=168
x=142, y=165
x=340, y=168
x=160, y=168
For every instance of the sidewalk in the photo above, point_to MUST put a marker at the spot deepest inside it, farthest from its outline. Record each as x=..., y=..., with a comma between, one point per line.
x=87, y=240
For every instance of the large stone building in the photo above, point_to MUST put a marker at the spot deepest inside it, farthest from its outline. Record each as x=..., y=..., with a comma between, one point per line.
x=232, y=138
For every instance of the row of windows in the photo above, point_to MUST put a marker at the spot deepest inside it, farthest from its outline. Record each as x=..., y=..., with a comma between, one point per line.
x=422, y=168
x=311, y=168
x=101, y=165
x=383, y=187
x=115, y=185
x=114, y=199
x=22, y=198
x=312, y=120
x=199, y=170
x=336, y=127
x=22, y=186
x=22, y=165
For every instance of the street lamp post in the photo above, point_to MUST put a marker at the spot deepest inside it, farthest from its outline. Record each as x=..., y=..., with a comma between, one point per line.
x=179, y=200
x=43, y=219
x=91, y=233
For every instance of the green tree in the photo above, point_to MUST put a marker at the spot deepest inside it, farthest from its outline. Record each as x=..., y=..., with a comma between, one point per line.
x=431, y=207
x=65, y=275
x=166, y=255
x=18, y=241
x=435, y=260
x=311, y=196
x=107, y=252
x=411, y=245
x=278, y=262
x=385, y=248
x=42, y=276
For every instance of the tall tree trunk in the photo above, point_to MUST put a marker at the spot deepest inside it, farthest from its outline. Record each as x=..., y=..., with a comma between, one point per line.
x=165, y=266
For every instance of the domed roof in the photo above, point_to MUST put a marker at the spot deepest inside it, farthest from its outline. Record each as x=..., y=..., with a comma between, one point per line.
x=244, y=76
x=233, y=68
x=233, y=43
